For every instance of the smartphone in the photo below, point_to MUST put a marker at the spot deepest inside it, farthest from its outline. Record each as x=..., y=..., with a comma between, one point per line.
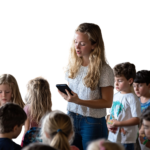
x=62, y=88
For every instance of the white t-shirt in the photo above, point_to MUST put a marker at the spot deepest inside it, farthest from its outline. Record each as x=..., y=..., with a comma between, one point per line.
x=124, y=107
x=85, y=93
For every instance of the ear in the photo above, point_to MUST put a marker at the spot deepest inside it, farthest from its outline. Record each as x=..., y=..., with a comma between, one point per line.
x=130, y=81
x=15, y=128
x=93, y=46
x=148, y=85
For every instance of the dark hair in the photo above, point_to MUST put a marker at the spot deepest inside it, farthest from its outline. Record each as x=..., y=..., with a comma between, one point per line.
x=145, y=114
x=11, y=115
x=142, y=76
x=125, y=69
x=38, y=146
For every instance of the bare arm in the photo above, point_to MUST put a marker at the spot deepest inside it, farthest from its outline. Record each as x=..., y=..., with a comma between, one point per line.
x=130, y=122
x=105, y=102
x=27, y=125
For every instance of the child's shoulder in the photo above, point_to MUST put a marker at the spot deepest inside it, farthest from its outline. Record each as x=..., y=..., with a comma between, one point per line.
x=6, y=144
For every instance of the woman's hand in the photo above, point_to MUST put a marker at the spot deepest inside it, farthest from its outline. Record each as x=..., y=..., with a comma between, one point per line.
x=70, y=98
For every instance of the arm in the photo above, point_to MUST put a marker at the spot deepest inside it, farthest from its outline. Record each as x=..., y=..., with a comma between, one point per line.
x=130, y=122
x=26, y=126
x=105, y=102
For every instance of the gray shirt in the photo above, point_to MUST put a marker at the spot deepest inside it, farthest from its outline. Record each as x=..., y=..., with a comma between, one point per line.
x=85, y=93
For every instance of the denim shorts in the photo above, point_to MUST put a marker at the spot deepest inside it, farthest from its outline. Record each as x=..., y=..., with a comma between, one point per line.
x=87, y=129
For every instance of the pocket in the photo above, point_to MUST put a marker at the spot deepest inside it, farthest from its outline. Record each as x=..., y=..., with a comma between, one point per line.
x=93, y=121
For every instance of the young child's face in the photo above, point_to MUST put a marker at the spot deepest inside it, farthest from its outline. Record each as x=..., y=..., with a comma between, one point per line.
x=141, y=89
x=121, y=83
x=146, y=125
x=5, y=93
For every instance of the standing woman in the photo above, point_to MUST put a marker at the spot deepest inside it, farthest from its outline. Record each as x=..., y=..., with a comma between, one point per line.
x=91, y=81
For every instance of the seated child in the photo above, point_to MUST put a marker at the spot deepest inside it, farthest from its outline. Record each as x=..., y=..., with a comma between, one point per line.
x=141, y=87
x=145, y=122
x=104, y=145
x=39, y=103
x=125, y=110
x=57, y=130
x=12, y=118
x=38, y=146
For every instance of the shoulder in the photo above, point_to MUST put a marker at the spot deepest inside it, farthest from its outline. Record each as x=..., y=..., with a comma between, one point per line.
x=106, y=70
x=106, y=76
x=9, y=144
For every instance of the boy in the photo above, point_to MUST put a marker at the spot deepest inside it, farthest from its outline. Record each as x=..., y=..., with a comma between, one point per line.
x=141, y=87
x=125, y=110
x=12, y=117
x=145, y=121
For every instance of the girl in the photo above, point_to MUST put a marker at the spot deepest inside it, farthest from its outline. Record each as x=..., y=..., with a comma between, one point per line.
x=104, y=145
x=91, y=81
x=9, y=90
x=38, y=100
x=57, y=130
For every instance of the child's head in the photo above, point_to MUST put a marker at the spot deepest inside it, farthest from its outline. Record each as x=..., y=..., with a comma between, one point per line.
x=145, y=120
x=87, y=43
x=104, y=145
x=12, y=117
x=142, y=83
x=39, y=96
x=57, y=130
x=124, y=75
x=38, y=146
x=9, y=90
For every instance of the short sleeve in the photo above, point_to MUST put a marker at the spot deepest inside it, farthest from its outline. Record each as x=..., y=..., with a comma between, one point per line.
x=106, y=77
x=135, y=106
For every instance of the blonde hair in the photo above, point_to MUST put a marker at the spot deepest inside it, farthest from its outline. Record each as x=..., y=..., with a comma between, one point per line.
x=98, y=144
x=96, y=58
x=11, y=81
x=39, y=98
x=58, y=127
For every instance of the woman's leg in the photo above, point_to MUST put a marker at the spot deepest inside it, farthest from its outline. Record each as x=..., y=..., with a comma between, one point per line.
x=77, y=139
x=92, y=129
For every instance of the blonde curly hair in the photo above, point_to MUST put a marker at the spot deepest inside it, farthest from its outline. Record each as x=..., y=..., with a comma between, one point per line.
x=96, y=58
x=39, y=97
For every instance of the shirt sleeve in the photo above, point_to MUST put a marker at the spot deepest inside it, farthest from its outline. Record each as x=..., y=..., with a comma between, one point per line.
x=135, y=106
x=106, y=77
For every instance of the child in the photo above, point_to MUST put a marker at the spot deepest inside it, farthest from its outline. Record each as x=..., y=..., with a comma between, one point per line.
x=125, y=111
x=145, y=121
x=57, y=130
x=38, y=146
x=9, y=90
x=104, y=145
x=12, y=118
x=38, y=102
x=142, y=90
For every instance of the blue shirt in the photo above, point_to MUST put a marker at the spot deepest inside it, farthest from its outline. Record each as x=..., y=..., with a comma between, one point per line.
x=145, y=105
x=8, y=144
